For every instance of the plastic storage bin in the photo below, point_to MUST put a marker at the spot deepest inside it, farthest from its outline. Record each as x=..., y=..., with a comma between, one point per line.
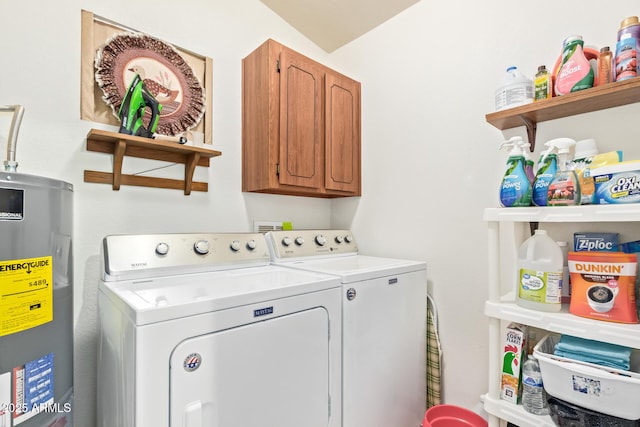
x=564, y=414
x=601, y=389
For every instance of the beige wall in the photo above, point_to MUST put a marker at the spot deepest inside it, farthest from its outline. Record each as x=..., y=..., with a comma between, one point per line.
x=430, y=161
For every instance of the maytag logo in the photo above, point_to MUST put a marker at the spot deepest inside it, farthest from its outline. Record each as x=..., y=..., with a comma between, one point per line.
x=393, y=281
x=138, y=264
x=263, y=311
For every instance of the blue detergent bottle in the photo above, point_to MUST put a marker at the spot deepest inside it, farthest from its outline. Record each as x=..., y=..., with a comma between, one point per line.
x=547, y=169
x=515, y=188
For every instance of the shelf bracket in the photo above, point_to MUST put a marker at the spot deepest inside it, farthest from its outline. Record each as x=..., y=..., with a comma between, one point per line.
x=118, y=157
x=190, y=167
x=531, y=132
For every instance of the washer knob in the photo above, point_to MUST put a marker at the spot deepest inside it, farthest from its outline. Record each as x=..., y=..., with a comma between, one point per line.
x=235, y=246
x=252, y=245
x=339, y=239
x=286, y=241
x=348, y=238
x=201, y=247
x=299, y=241
x=320, y=240
x=162, y=248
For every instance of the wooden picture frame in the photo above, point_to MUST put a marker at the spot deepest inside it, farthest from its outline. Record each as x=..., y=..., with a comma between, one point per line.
x=96, y=31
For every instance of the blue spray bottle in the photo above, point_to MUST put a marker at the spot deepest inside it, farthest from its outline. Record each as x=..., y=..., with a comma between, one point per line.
x=547, y=168
x=515, y=189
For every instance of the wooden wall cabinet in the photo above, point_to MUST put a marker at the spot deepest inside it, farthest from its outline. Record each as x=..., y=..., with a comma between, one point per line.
x=300, y=126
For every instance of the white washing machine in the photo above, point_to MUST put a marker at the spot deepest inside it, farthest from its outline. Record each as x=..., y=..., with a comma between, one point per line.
x=200, y=330
x=384, y=311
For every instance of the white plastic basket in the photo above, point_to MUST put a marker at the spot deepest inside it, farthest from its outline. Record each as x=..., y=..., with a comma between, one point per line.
x=599, y=388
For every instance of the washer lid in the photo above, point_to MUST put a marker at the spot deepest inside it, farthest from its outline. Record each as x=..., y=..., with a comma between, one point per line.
x=171, y=297
x=356, y=268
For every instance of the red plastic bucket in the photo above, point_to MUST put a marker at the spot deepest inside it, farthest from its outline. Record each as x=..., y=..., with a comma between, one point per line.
x=452, y=416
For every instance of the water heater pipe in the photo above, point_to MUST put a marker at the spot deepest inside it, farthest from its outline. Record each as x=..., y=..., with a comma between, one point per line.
x=10, y=165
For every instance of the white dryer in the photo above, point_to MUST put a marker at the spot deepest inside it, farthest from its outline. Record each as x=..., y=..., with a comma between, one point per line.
x=384, y=311
x=199, y=330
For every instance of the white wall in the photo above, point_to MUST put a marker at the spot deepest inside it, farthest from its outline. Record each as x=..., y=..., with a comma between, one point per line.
x=430, y=161
x=40, y=69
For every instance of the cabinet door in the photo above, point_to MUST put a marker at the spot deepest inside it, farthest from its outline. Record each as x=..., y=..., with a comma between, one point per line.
x=301, y=123
x=342, y=134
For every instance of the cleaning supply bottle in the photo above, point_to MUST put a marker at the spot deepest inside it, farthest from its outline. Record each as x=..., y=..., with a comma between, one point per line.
x=529, y=163
x=630, y=25
x=566, y=285
x=575, y=72
x=540, y=273
x=515, y=90
x=584, y=151
x=626, y=57
x=605, y=75
x=515, y=188
x=564, y=190
x=547, y=168
x=542, y=87
x=534, y=398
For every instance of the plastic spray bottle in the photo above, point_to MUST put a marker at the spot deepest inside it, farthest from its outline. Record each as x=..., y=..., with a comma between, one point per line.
x=528, y=161
x=515, y=189
x=564, y=190
x=547, y=169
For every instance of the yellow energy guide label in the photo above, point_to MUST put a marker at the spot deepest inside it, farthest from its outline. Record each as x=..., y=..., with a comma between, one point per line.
x=26, y=294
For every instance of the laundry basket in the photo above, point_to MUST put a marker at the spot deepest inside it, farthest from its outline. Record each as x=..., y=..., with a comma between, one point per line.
x=452, y=416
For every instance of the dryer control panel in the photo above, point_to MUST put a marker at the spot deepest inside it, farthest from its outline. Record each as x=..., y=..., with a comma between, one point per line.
x=148, y=255
x=289, y=244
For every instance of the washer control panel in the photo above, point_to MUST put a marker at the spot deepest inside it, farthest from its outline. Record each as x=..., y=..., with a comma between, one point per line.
x=140, y=255
x=305, y=243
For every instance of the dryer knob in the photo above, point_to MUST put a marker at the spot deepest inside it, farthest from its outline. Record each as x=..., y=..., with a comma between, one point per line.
x=348, y=238
x=339, y=239
x=321, y=240
x=252, y=245
x=201, y=247
x=235, y=246
x=286, y=241
x=299, y=241
x=162, y=248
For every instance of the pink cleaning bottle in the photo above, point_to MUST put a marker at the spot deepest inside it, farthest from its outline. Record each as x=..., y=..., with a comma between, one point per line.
x=575, y=72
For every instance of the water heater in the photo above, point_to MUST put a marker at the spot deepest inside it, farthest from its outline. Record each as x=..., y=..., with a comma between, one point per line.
x=36, y=299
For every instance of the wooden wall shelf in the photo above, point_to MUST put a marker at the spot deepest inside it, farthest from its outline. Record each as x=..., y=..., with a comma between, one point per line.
x=121, y=145
x=585, y=101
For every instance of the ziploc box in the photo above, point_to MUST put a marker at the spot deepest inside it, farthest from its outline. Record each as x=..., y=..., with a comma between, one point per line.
x=601, y=242
x=617, y=183
x=513, y=354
